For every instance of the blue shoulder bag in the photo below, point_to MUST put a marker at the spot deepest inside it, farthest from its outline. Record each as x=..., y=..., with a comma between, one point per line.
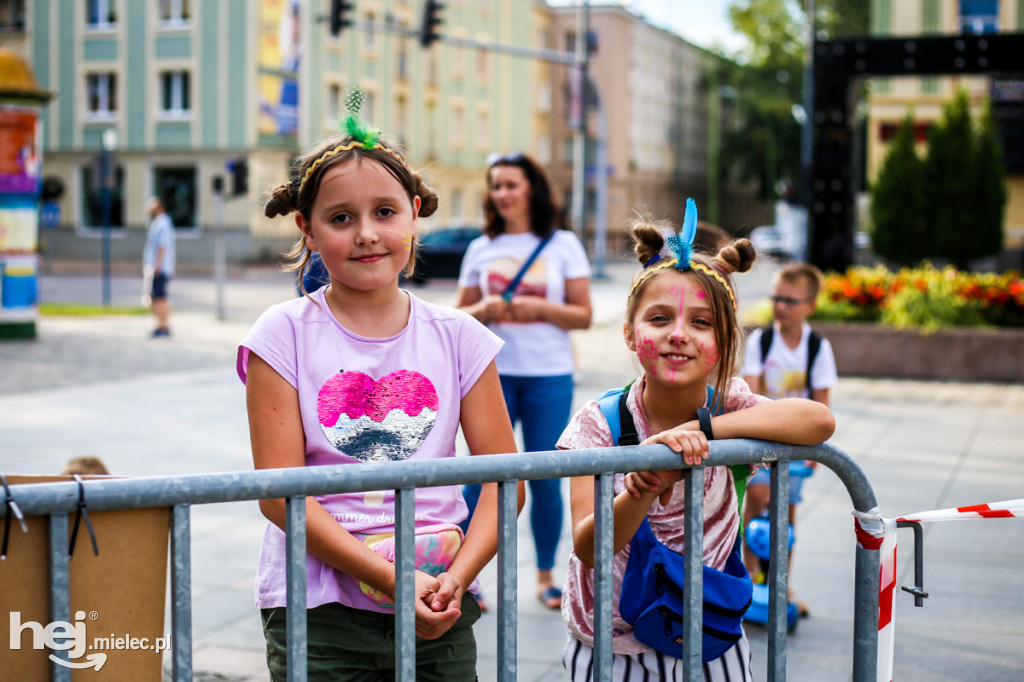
x=651, y=599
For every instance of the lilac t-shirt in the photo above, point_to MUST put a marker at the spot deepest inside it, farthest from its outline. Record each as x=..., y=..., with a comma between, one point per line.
x=369, y=400
x=589, y=429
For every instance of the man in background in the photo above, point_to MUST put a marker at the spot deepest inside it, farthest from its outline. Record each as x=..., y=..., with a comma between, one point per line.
x=158, y=264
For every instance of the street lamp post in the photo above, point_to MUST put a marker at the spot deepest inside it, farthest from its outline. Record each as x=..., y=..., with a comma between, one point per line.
x=108, y=144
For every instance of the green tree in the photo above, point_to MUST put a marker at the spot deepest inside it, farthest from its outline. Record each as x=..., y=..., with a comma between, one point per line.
x=899, y=232
x=767, y=76
x=949, y=169
x=989, y=191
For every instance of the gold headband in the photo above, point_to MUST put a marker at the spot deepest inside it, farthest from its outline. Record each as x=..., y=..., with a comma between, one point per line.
x=693, y=266
x=344, y=148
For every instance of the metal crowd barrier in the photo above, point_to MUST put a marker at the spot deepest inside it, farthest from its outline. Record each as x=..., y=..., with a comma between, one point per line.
x=57, y=500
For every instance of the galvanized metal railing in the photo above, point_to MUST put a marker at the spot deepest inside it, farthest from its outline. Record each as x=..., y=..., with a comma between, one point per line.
x=57, y=500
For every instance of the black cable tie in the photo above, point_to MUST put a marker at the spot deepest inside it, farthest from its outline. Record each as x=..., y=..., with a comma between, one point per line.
x=11, y=506
x=82, y=512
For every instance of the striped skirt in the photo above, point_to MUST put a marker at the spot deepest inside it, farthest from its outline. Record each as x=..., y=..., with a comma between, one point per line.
x=653, y=666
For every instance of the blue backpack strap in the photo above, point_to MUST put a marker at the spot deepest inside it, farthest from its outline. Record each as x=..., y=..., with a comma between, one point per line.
x=609, y=404
x=620, y=421
x=616, y=413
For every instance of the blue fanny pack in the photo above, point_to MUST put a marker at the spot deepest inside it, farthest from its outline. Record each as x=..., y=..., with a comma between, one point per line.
x=651, y=599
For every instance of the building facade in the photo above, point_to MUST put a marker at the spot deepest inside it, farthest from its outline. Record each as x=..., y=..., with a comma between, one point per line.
x=645, y=98
x=206, y=102
x=191, y=95
x=890, y=99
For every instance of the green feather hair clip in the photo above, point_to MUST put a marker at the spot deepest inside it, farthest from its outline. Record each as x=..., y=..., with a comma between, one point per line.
x=354, y=125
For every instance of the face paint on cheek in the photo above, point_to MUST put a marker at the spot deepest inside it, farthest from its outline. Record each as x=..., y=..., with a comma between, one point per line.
x=709, y=353
x=647, y=354
x=406, y=239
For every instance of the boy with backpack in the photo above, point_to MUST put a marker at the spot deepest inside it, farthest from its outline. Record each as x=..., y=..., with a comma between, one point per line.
x=787, y=359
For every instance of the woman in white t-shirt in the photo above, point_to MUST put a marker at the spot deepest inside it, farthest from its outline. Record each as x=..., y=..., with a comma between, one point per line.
x=528, y=279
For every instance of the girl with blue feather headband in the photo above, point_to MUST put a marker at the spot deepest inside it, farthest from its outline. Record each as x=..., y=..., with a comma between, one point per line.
x=681, y=324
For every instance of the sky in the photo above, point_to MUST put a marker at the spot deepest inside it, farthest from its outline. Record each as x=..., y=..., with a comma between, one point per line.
x=701, y=22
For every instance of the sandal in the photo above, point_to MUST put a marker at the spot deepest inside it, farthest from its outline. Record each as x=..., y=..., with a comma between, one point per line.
x=801, y=608
x=551, y=597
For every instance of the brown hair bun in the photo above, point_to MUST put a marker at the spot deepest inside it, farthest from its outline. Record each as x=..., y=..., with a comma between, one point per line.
x=649, y=241
x=428, y=197
x=281, y=202
x=737, y=257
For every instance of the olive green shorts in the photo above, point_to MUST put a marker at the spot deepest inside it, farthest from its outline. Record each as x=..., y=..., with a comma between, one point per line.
x=352, y=644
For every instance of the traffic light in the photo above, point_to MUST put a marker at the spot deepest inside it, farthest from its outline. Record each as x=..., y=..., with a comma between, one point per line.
x=339, y=16
x=431, y=21
x=52, y=188
x=238, y=169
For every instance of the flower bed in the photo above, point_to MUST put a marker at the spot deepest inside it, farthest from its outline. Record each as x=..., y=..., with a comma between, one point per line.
x=926, y=298
x=925, y=322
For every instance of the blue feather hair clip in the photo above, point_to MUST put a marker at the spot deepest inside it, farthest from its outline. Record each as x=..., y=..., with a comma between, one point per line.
x=682, y=243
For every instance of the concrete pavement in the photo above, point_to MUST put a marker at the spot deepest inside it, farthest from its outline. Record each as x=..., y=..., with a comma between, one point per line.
x=99, y=386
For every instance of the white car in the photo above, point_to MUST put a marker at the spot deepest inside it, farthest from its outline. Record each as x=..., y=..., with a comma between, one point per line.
x=767, y=239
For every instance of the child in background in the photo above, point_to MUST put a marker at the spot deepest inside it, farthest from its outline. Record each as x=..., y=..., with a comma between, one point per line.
x=787, y=360
x=681, y=323
x=85, y=466
x=358, y=371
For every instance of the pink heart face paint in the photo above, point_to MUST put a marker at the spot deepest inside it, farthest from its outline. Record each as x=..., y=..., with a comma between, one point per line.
x=674, y=331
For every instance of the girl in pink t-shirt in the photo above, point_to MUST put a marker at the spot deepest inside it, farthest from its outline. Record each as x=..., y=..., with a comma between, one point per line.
x=681, y=323
x=362, y=371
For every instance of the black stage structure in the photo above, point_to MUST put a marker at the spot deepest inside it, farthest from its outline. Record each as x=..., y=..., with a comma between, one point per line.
x=840, y=64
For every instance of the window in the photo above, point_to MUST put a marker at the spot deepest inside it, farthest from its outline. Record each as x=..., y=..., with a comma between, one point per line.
x=12, y=16
x=570, y=42
x=333, y=105
x=403, y=63
x=175, y=100
x=979, y=16
x=369, y=110
x=457, y=131
x=174, y=12
x=430, y=126
x=92, y=196
x=177, y=187
x=482, y=66
x=369, y=35
x=100, y=14
x=483, y=129
x=544, y=150
x=432, y=69
x=100, y=95
x=402, y=120
x=544, y=97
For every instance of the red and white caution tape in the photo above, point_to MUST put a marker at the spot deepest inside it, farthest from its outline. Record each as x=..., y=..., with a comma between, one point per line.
x=875, y=532
x=993, y=510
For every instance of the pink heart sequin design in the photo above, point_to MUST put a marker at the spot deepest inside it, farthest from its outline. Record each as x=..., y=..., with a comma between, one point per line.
x=377, y=421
